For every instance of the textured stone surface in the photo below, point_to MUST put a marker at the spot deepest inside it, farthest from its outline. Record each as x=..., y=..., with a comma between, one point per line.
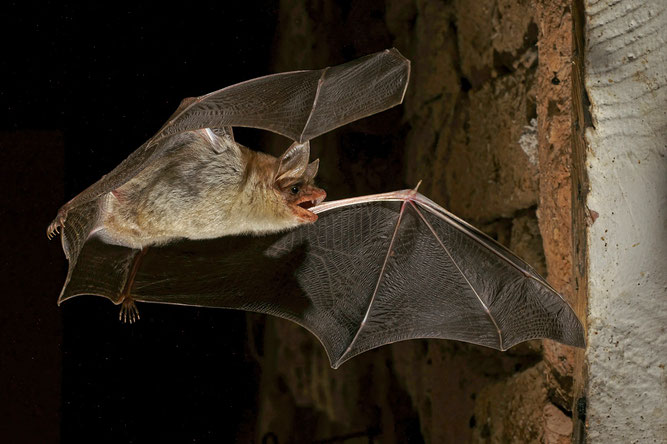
x=554, y=117
x=446, y=379
x=554, y=128
x=517, y=420
x=473, y=96
x=484, y=126
x=627, y=166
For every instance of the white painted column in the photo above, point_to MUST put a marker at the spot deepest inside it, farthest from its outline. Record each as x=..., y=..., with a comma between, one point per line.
x=626, y=79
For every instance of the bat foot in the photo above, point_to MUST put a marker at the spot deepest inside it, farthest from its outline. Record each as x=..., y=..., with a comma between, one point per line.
x=129, y=314
x=55, y=227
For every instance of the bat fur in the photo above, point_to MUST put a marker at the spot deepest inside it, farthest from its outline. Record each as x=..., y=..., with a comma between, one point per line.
x=198, y=192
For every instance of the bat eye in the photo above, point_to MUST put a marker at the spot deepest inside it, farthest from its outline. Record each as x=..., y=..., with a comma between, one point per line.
x=295, y=189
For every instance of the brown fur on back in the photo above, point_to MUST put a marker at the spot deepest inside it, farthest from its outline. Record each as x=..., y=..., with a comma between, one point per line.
x=195, y=193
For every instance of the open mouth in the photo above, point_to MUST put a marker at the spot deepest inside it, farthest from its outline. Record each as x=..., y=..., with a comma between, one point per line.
x=307, y=204
x=309, y=201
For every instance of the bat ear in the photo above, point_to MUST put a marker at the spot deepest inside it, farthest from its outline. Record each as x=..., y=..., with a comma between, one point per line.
x=294, y=162
x=311, y=171
x=220, y=139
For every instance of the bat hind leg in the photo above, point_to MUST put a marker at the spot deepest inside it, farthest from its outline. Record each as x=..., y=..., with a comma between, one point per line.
x=129, y=313
x=128, y=310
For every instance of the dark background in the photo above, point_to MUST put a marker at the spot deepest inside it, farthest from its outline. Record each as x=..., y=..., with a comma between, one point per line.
x=83, y=87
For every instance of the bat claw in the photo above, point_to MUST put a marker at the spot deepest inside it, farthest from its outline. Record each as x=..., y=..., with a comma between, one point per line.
x=56, y=226
x=129, y=314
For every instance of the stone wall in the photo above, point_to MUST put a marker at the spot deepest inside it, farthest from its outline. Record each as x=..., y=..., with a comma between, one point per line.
x=486, y=126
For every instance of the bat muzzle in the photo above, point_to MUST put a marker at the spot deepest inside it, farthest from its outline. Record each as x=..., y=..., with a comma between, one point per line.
x=301, y=207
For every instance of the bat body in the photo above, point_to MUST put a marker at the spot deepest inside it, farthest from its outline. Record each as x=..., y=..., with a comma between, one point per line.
x=169, y=225
x=198, y=192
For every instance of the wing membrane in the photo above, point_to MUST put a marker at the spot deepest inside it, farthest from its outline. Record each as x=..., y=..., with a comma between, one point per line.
x=372, y=271
x=300, y=105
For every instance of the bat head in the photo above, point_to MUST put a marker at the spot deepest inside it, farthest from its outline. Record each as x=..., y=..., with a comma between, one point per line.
x=293, y=179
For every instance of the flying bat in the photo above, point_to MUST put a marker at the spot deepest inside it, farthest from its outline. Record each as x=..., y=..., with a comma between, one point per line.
x=194, y=218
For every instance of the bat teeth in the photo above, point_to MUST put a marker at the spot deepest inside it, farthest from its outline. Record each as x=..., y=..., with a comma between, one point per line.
x=307, y=204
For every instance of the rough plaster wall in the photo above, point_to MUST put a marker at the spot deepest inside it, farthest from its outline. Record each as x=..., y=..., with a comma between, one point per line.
x=627, y=166
x=471, y=130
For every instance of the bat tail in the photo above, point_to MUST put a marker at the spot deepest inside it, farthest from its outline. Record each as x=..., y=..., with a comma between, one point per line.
x=100, y=269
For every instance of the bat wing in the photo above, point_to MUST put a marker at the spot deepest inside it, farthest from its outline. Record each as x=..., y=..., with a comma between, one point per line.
x=371, y=271
x=299, y=105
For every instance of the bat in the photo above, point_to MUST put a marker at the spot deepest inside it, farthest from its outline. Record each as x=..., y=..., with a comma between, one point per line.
x=192, y=180
x=358, y=273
